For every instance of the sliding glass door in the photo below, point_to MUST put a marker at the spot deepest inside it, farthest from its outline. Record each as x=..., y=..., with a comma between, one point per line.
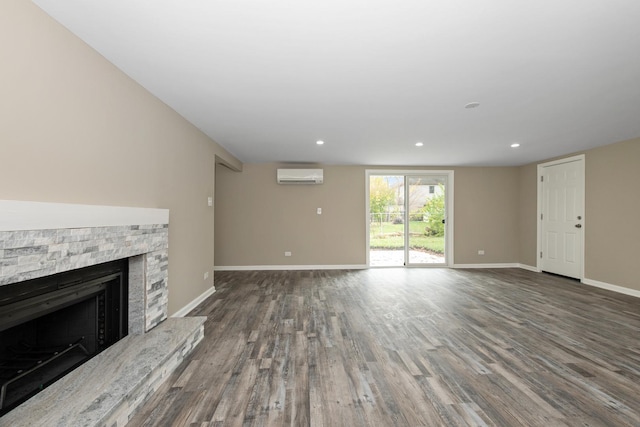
x=407, y=218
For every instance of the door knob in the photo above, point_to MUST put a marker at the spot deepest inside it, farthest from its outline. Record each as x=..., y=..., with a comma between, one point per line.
x=578, y=225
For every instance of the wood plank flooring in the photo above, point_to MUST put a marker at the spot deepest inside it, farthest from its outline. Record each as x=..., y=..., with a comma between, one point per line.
x=407, y=347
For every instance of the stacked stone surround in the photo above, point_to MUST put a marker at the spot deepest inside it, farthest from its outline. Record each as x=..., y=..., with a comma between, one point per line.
x=29, y=254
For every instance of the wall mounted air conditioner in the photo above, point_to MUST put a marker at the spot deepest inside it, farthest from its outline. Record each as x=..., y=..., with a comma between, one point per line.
x=300, y=176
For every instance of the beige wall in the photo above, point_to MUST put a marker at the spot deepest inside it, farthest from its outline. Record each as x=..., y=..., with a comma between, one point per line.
x=74, y=129
x=257, y=220
x=486, y=215
x=612, y=202
x=528, y=214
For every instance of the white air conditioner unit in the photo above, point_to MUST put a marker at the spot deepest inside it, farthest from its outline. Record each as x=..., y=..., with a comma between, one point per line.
x=300, y=176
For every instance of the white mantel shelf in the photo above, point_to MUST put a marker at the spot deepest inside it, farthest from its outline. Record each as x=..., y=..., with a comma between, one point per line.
x=21, y=215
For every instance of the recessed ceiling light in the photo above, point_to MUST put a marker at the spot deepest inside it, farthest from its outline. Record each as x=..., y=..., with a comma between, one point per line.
x=515, y=145
x=419, y=144
x=472, y=105
x=319, y=142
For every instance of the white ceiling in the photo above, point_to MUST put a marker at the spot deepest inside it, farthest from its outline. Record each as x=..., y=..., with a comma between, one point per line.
x=266, y=79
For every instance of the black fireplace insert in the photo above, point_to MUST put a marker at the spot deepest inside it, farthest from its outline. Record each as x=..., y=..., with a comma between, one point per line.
x=51, y=325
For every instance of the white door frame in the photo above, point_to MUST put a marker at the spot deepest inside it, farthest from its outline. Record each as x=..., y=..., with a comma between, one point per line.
x=448, y=246
x=541, y=166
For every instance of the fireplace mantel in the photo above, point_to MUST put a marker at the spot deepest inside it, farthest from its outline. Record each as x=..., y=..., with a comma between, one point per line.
x=39, y=239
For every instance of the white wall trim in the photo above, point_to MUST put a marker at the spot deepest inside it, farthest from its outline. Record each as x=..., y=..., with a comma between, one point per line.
x=289, y=267
x=529, y=267
x=497, y=265
x=21, y=215
x=610, y=287
x=193, y=304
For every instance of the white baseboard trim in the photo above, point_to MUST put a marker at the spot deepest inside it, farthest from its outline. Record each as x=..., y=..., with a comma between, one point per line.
x=529, y=267
x=498, y=265
x=193, y=304
x=610, y=287
x=289, y=267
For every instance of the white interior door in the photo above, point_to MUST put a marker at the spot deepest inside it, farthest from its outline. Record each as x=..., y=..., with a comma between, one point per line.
x=562, y=218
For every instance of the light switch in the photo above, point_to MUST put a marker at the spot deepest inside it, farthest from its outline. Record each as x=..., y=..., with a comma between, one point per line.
x=210, y=201
x=319, y=211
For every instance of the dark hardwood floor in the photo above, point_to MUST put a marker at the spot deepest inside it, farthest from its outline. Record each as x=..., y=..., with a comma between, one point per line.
x=407, y=347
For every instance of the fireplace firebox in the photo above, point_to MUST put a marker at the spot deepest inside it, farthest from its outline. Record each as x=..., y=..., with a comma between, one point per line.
x=51, y=325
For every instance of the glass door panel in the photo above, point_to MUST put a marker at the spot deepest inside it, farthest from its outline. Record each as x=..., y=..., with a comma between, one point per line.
x=425, y=230
x=386, y=221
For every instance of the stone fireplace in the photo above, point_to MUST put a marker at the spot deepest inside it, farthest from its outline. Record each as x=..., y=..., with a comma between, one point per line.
x=40, y=240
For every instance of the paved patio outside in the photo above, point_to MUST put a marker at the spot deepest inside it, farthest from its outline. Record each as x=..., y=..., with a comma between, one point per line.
x=386, y=258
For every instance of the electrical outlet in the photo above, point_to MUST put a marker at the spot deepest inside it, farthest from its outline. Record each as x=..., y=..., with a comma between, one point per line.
x=287, y=253
x=206, y=275
x=480, y=251
x=209, y=201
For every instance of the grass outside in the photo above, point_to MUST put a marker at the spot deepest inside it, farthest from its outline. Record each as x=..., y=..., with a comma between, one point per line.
x=390, y=236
